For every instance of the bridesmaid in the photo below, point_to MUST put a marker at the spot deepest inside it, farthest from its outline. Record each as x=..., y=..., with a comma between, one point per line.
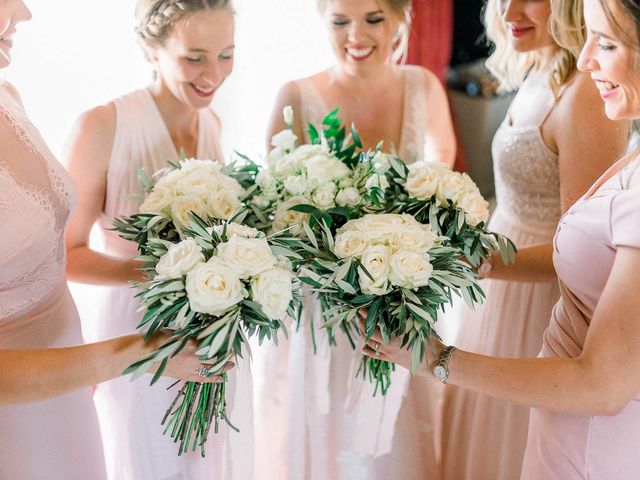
x=49, y=425
x=585, y=388
x=190, y=44
x=553, y=144
x=407, y=108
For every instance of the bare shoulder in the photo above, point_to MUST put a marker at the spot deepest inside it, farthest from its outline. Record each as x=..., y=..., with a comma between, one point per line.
x=581, y=99
x=99, y=121
x=92, y=137
x=13, y=91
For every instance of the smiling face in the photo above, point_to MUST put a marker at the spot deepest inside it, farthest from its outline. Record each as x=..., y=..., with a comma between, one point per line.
x=362, y=32
x=611, y=60
x=11, y=13
x=197, y=56
x=527, y=23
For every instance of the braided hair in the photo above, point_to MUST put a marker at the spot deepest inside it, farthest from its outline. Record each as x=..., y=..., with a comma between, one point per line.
x=155, y=19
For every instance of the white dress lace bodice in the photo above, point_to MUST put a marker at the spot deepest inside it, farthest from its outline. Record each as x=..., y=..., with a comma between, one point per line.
x=37, y=196
x=413, y=140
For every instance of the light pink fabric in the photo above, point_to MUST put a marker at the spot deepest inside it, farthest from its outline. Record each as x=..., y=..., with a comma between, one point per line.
x=38, y=440
x=483, y=438
x=562, y=446
x=315, y=420
x=130, y=412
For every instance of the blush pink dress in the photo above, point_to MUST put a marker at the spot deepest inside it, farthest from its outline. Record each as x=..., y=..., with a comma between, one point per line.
x=483, y=438
x=571, y=447
x=315, y=420
x=56, y=439
x=130, y=412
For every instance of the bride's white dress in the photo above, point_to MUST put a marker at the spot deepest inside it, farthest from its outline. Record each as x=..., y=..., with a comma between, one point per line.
x=56, y=439
x=314, y=419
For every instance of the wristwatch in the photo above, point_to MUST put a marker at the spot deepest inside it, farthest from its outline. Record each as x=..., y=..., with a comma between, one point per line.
x=441, y=370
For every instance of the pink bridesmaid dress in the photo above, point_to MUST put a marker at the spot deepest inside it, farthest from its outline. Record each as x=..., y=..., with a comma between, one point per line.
x=571, y=447
x=55, y=439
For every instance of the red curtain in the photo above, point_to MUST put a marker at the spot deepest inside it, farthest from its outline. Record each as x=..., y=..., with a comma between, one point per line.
x=430, y=45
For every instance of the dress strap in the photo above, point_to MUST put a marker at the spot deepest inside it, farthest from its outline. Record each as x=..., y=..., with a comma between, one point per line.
x=556, y=100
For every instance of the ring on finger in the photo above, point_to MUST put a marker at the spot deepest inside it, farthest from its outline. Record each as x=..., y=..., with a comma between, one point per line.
x=377, y=351
x=203, y=371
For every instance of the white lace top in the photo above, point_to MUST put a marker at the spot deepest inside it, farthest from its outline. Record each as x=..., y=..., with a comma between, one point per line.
x=412, y=141
x=36, y=196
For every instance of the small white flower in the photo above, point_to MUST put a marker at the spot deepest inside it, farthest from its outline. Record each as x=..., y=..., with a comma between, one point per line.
x=381, y=162
x=324, y=196
x=180, y=259
x=376, y=180
x=296, y=185
x=287, y=114
x=285, y=140
x=349, y=197
x=272, y=289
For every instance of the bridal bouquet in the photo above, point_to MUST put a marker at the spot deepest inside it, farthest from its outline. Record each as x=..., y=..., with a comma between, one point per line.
x=397, y=268
x=448, y=201
x=201, y=187
x=328, y=179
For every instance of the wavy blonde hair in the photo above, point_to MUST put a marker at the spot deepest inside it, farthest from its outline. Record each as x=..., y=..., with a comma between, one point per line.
x=401, y=8
x=566, y=24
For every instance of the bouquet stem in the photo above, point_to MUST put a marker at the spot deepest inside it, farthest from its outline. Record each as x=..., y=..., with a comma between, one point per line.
x=196, y=407
x=378, y=371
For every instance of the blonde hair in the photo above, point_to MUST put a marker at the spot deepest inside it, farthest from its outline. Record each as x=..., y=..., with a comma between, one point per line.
x=155, y=19
x=401, y=8
x=510, y=67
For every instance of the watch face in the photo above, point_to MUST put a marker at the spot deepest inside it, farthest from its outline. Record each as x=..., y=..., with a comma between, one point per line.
x=440, y=372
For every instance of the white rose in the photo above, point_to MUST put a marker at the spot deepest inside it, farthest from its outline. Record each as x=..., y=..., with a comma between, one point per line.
x=451, y=187
x=158, y=201
x=295, y=162
x=350, y=243
x=272, y=289
x=190, y=165
x=380, y=228
x=197, y=182
x=227, y=183
x=319, y=169
x=345, y=182
x=247, y=256
x=324, y=196
x=274, y=156
x=410, y=268
x=237, y=229
x=286, y=140
x=184, y=205
x=222, y=204
x=375, y=259
x=284, y=218
x=475, y=208
x=415, y=236
x=180, y=259
x=296, y=184
x=423, y=180
x=213, y=287
x=287, y=115
x=348, y=197
x=261, y=202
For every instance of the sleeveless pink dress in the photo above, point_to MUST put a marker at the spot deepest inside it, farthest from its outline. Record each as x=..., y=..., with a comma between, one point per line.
x=483, y=438
x=56, y=439
x=315, y=420
x=130, y=412
x=572, y=447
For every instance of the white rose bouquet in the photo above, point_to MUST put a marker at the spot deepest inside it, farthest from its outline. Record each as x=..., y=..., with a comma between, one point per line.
x=202, y=187
x=396, y=267
x=221, y=284
x=450, y=202
x=329, y=180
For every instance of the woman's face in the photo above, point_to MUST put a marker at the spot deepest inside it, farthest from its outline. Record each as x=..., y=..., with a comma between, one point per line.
x=527, y=23
x=11, y=13
x=613, y=64
x=362, y=32
x=197, y=57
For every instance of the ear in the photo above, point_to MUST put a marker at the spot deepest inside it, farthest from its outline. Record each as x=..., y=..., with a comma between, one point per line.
x=151, y=53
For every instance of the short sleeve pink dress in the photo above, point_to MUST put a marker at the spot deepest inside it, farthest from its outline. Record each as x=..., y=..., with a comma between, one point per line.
x=563, y=446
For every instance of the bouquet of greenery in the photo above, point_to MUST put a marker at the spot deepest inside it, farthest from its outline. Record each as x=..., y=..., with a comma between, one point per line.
x=398, y=269
x=212, y=280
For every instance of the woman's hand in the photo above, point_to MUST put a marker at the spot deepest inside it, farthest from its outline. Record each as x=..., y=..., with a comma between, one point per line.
x=394, y=352
x=186, y=365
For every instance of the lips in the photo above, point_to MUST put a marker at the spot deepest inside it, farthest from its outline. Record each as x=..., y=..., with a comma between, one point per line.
x=204, y=92
x=359, y=54
x=606, y=88
x=518, y=32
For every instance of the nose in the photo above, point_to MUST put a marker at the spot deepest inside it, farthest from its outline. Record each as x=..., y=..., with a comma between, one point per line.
x=586, y=61
x=511, y=10
x=214, y=74
x=356, y=31
x=23, y=13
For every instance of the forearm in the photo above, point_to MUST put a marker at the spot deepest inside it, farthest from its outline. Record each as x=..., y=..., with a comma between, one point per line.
x=532, y=264
x=32, y=375
x=559, y=384
x=85, y=265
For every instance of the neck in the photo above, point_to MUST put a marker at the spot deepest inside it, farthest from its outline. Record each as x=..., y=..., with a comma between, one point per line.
x=372, y=79
x=181, y=120
x=545, y=58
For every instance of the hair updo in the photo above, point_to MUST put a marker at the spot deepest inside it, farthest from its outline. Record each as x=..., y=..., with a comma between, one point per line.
x=401, y=8
x=155, y=19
